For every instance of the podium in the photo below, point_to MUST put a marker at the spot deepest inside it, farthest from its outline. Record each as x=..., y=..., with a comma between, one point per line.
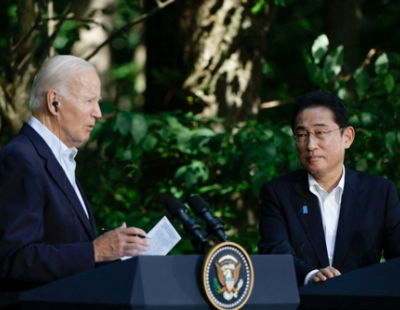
x=162, y=282
x=373, y=287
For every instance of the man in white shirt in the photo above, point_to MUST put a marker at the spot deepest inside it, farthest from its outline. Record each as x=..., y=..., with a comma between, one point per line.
x=330, y=218
x=47, y=230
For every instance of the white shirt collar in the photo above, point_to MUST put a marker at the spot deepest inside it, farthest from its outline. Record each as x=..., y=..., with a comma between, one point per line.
x=64, y=155
x=56, y=145
x=313, y=185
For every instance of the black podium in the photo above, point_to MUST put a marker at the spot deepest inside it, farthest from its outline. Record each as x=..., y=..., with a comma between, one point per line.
x=373, y=287
x=161, y=282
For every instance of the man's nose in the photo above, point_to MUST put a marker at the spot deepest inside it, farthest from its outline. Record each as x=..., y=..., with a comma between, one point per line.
x=311, y=142
x=97, y=111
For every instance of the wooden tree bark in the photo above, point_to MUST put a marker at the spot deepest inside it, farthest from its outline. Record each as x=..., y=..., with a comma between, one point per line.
x=93, y=37
x=217, y=46
x=22, y=65
x=23, y=59
x=224, y=51
x=342, y=21
x=21, y=70
x=164, y=60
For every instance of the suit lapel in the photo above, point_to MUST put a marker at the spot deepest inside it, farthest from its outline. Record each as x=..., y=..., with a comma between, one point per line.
x=58, y=174
x=307, y=208
x=351, y=210
x=91, y=217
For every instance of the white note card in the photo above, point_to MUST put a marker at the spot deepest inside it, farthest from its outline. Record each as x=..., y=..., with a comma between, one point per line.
x=162, y=238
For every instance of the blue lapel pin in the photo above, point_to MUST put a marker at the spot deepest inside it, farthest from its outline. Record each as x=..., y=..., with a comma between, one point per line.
x=305, y=210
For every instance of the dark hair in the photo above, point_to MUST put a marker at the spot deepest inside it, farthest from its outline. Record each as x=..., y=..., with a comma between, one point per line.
x=322, y=99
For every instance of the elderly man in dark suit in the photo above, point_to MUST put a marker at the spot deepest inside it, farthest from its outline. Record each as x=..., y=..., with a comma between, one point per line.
x=47, y=230
x=330, y=218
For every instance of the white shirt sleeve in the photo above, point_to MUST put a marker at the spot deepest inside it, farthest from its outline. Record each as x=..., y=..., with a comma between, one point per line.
x=309, y=275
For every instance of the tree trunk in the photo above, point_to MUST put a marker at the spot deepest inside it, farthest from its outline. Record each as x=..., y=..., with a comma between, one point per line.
x=16, y=82
x=23, y=62
x=93, y=37
x=164, y=60
x=342, y=21
x=207, y=57
x=224, y=51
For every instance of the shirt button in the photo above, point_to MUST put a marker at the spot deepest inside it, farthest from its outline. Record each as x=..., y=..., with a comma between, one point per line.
x=330, y=256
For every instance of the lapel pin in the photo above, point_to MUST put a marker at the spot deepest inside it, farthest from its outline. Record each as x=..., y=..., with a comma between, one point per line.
x=305, y=210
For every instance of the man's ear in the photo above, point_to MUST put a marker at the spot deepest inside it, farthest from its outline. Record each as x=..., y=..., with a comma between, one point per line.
x=51, y=98
x=348, y=136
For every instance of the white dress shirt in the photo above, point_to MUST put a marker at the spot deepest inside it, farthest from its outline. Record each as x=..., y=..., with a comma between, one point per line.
x=329, y=205
x=64, y=155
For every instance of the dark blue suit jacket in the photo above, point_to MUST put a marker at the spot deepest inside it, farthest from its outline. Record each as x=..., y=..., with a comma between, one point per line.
x=369, y=222
x=44, y=233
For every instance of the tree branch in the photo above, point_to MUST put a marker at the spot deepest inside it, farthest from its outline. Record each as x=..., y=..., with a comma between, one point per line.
x=82, y=20
x=365, y=63
x=4, y=87
x=276, y=103
x=14, y=48
x=160, y=6
x=23, y=61
x=3, y=84
x=270, y=16
x=56, y=31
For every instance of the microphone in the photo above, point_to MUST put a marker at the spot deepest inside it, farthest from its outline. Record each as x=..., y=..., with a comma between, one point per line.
x=191, y=227
x=201, y=209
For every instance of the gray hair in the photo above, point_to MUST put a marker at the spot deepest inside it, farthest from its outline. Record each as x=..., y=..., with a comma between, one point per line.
x=56, y=73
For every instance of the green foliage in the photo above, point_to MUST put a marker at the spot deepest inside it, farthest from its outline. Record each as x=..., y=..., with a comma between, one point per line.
x=321, y=65
x=282, y=2
x=9, y=24
x=68, y=35
x=373, y=109
x=258, y=7
x=147, y=158
x=135, y=161
x=144, y=159
x=260, y=4
x=361, y=79
x=319, y=48
x=382, y=65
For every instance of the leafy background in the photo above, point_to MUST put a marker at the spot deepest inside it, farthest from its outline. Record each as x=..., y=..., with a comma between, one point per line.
x=134, y=160
x=146, y=158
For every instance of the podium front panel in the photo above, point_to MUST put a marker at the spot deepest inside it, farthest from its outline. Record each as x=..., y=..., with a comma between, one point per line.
x=373, y=287
x=162, y=282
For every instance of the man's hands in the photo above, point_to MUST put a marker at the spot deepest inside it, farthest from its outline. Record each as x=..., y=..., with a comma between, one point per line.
x=323, y=274
x=120, y=242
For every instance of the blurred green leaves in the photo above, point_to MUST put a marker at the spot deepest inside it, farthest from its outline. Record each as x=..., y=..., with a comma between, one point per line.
x=145, y=158
x=282, y=2
x=361, y=78
x=260, y=4
x=138, y=128
x=124, y=122
x=382, y=64
x=319, y=48
x=333, y=63
x=135, y=124
x=372, y=98
x=323, y=66
x=258, y=7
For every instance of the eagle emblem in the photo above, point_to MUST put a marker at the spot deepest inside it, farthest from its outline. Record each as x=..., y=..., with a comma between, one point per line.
x=228, y=270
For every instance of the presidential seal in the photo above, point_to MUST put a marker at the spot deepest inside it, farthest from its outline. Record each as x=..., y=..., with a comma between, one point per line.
x=227, y=276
